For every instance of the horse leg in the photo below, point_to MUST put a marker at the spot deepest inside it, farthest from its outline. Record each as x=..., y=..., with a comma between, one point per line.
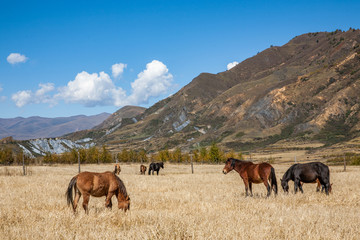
x=325, y=182
x=157, y=172
x=301, y=189
x=246, y=182
x=250, y=187
x=265, y=178
x=268, y=188
x=318, y=185
x=86, y=198
x=108, y=203
x=297, y=185
x=76, y=200
x=327, y=187
x=264, y=175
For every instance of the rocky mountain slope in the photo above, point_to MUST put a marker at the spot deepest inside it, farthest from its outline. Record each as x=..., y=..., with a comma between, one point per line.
x=307, y=89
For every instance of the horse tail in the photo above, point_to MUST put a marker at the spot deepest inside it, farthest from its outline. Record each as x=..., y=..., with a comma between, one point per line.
x=273, y=180
x=69, y=191
x=325, y=178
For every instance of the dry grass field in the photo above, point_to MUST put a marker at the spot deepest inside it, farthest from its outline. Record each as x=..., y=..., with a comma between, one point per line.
x=177, y=205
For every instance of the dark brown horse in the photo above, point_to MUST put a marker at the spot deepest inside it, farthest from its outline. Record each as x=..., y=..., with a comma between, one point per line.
x=142, y=169
x=117, y=169
x=307, y=173
x=155, y=167
x=97, y=185
x=253, y=173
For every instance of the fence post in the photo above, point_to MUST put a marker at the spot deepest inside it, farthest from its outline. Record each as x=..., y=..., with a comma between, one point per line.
x=344, y=162
x=192, y=166
x=23, y=160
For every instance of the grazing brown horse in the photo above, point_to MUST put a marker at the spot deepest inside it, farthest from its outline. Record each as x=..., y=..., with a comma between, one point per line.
x=117, y=169
x=142, y=169
x=97, y=185
x=253, y=173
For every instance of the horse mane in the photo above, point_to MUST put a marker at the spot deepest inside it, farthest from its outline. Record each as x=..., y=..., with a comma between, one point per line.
x=234, y=161
x=237, y=160
x=287, y=174
x=121, y=186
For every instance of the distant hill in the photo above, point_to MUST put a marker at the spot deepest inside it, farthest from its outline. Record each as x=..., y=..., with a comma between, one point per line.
x=39, y=127
x=306, y=90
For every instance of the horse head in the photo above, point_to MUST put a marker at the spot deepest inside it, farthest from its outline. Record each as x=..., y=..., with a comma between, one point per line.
x=124, y=204
x=229, y=165
x=161, y=165
x=284, y=185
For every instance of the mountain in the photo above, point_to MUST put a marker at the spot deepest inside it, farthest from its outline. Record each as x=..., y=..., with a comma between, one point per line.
x=306, y=90
x=304, y=93
x=39, y=127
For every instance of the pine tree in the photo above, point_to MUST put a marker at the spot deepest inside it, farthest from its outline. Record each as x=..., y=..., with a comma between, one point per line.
x=203, y=154
x=177, y=155
x=214, y=153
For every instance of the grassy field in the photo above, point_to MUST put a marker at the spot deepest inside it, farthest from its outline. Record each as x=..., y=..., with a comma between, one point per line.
x=177, y=205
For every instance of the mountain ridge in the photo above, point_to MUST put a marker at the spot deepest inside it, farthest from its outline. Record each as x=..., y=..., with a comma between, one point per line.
x=295, y=89
x=21, y=128
x=305, y=91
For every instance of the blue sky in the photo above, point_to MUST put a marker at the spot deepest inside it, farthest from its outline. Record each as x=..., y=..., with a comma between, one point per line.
x=64, y=58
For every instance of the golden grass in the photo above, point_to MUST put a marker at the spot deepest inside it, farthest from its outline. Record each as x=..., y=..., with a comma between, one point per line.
x=178, y=205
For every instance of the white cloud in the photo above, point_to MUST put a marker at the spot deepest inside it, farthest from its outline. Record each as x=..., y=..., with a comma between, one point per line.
x=231, y=65
x=152, y=82
x=91, y=90
x=25, y=97
x=44, y=88
x=99, y=89
x=22, y=98
x=14, y=58
x=118, y=69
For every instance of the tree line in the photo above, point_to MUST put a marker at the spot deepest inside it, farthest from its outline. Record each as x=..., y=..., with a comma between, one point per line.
x=212, y=154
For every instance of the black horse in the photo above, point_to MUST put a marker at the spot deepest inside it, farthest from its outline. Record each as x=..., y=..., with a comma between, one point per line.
x=155, y=167
x=307, y=173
